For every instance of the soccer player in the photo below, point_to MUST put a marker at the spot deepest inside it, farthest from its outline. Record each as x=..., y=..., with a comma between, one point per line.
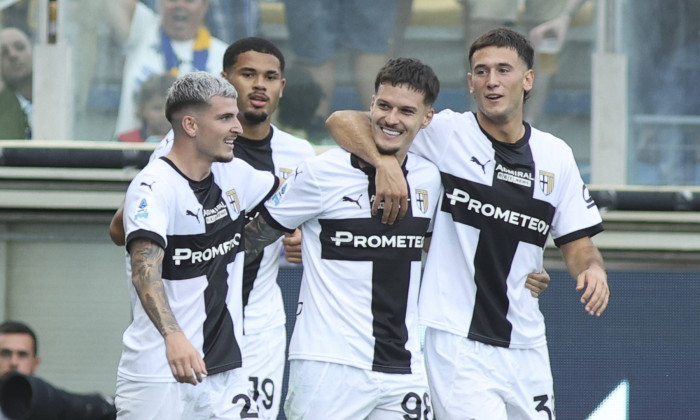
x=255, y=67
x=355, y=351
x=184, y=215
x=507, y=186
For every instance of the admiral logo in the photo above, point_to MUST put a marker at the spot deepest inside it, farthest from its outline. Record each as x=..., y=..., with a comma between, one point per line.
x=422, y=200
x=218, y=212
x=495, y=212
x=142, y=212
x=194, y=257
x=377, y=241
x=546, y=182
x=514, y=176
x=276, y=199
x=233, y=200
x=284, y=173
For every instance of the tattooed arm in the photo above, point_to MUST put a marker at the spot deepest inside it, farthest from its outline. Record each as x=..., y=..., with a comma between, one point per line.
x=185, y=361
x=258, y=235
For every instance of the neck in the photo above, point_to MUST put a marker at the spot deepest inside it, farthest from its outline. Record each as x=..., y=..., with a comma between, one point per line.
x=256, y=131
x=188, y=161
x=22, y=86
x=507, y=131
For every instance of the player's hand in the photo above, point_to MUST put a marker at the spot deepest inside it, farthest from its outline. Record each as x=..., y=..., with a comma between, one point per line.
x=392, y=190
x=292, y=247
x=185, y=361
x=536, y=283
x=597, y=293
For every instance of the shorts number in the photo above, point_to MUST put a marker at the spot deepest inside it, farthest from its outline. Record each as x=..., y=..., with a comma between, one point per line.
x=542, y=400
x=413, y=406
x=245, y=411
x=268, y=390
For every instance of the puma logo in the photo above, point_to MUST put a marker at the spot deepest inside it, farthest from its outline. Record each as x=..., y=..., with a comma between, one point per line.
x=195, y=215
x=297, y=172
x=356, y=201
x=150, y=186
x=483, y=165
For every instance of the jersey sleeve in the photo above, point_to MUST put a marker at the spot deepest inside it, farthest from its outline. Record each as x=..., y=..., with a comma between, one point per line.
x=431, y=141
x=164, y=147
x=257, y=185
x=299, y=200
x=146, y=208
x=576, y=214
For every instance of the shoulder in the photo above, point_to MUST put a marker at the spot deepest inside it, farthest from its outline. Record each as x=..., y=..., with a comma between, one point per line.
x=547, y=140
x=281, y=137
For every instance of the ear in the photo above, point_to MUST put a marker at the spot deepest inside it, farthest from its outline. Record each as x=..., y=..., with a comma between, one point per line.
x=428, y=117
x=284, y=83
x=470, y=83
x=189, y=125
x=35, y=365
x=528, y=80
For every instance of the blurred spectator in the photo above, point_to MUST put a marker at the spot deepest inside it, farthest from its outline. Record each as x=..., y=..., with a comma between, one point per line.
x=176, y=43
x=24, y=396
x=151, y=111
x=229, y=20
x=546, y=22
x=16, y=86
x=18, y=349
x=318, y=28
x=298, y=106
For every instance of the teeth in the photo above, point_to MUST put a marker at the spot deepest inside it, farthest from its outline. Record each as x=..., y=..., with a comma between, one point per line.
x=391, y=132
x=229, y=141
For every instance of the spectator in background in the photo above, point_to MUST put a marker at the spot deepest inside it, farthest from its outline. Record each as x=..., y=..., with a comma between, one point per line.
x=174, y=41
x=18, y=349
x=151, y=111
x=546, y=22
x=16, y=85
x=298, y=106
x=229, y=20
x=318, y=28
x=25, y=395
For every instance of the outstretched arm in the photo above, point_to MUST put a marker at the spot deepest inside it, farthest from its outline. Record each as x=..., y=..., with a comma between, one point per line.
x=186, y=364
x=352, y=132
x=258, y=235
x=586, y=265
x=555, y=28
x=118, y=14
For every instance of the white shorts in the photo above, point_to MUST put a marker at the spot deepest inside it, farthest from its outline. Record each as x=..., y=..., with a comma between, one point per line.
x=220, y=396
x=322, y=390
x=472, y=380
x=263, y=363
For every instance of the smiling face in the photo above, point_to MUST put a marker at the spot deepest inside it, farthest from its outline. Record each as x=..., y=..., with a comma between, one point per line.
x=396, y=115
x=182, y=18
x=258, y=79
x=216, y=128
x=498, y=81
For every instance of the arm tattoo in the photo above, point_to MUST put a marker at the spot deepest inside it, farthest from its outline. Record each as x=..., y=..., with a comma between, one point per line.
x=146, y=262
x=258, y=235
